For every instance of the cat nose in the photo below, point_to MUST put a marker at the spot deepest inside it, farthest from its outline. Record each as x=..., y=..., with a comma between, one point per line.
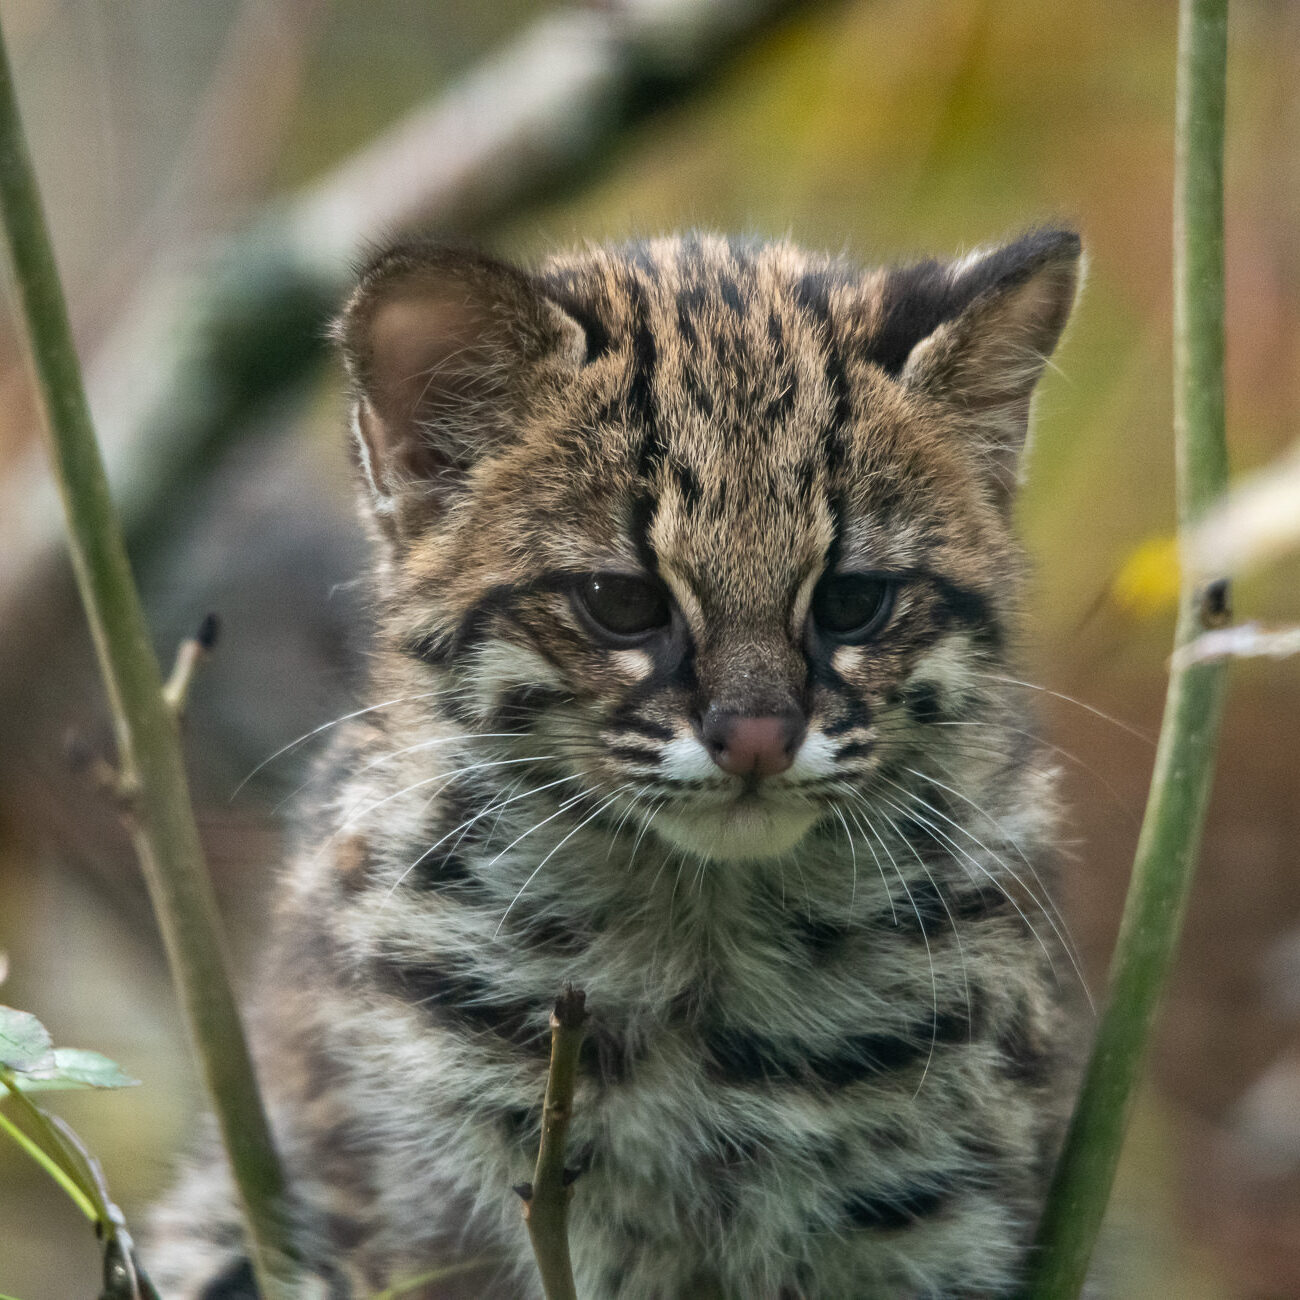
x=748, y=746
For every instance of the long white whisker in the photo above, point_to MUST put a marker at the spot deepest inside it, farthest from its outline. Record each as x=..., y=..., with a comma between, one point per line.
x=325, y=726
x=532, y=875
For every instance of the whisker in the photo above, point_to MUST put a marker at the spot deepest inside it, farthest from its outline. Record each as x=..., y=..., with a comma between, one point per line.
x=325, y=726
x=1070, y=699
x=533, y=874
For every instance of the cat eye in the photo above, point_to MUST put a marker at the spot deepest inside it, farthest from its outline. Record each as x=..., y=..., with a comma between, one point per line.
x=623, y=608
x=852, y=607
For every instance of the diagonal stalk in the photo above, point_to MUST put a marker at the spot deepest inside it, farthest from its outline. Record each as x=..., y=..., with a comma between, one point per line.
x=1180, y=784
x=152, y=768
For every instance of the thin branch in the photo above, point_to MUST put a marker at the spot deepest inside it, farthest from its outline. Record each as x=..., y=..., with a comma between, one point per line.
x=546, y=1198
x=51, y=1167
x=162, y=820
x=1171, y=829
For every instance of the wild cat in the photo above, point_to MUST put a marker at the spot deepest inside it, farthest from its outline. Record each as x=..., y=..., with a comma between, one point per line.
x=697, y=600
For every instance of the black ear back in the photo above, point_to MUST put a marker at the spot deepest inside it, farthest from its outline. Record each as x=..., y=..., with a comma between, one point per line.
x=975, y=335
x=915, y=300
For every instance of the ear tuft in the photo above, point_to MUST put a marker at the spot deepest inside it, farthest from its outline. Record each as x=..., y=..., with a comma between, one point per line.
x=994, y=317
x=441, y=346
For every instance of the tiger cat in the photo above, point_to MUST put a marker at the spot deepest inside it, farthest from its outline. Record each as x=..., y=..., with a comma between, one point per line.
x=694, y=687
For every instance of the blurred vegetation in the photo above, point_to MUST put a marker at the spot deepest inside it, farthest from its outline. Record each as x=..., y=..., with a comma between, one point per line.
x=880, y=126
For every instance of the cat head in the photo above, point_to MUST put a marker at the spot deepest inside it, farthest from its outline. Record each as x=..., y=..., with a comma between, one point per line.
x=726, y=525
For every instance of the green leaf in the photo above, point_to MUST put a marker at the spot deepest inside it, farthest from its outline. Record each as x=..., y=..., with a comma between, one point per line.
x=74, y=1067
x=25, y=1043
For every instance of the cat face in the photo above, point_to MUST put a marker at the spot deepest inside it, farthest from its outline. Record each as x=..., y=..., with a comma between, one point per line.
x=724, y=528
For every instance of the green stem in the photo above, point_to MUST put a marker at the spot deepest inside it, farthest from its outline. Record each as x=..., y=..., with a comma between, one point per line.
x=1171, y=829
x=51, y=1167
x=153, y=772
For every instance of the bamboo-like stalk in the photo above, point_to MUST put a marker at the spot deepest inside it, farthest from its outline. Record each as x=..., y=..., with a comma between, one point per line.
x=152, y=768
x=546, y=1198
x=1171, y=829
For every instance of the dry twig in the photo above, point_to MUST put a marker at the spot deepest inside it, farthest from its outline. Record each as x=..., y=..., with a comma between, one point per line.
x=546, y=1198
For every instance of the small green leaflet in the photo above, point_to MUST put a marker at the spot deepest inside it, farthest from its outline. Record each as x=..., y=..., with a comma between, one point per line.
x=25, y=1043
x=74, y=1067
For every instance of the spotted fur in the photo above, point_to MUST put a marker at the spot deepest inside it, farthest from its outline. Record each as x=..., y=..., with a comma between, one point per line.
x=829, y=1016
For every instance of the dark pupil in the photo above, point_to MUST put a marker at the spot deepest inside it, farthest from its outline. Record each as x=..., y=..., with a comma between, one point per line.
x=624, y=605
x=851, y=603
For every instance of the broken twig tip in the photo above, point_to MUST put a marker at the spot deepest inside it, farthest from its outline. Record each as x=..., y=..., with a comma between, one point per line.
x=571, y=1008
x=209, y=632
x=1216, y=605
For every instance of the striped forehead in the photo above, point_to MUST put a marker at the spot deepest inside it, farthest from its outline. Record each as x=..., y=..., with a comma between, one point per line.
x=734, y=417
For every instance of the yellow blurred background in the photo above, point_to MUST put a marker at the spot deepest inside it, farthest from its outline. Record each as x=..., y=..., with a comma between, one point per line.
x=880, y=127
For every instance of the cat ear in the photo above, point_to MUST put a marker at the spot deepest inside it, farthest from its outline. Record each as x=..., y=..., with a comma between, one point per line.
x=444, y=349
x=994, y=319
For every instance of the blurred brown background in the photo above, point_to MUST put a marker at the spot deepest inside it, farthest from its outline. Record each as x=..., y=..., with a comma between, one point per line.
x=883, y=127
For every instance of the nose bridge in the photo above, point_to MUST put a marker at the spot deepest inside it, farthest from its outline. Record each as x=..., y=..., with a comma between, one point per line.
x=751, y=671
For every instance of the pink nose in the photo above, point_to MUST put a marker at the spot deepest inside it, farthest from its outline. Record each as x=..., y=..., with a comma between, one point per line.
x=747, y=746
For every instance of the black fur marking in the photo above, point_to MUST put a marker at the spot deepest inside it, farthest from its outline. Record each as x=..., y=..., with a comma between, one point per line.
x=635, y=754
x=519, y=707
x=855, y=716
x=854, y=749
x=818, y=938
x=455, y=997
x=967, y=606
x=641, y=404
x=933, y=912
x=623, y=721
x=644, y=508
x=439, y=868
x=731, y=295
x=685, y=325
x=813, y=294
x=1024, y=1061
x=500, y=602
x=549, y=933
x=605, y=1056
x=901, y=1208
x=235, y=1283
x=598, y=339
x=739, y=1057
x=429, y=647
x=923, y=703
x=688, y=484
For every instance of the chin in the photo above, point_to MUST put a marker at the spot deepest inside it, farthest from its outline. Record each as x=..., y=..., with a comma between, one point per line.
x=733, y=832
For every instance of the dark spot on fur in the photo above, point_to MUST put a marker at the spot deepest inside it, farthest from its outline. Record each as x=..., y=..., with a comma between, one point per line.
x=740, y=1057
x=1025, y=1061
x=604, y=1055
x=235, y=1283
x=898, y=1209
x=730, y=292
x=623, y=721
x=453, y=997
x=922, y=703
x=818, y=938
x=854, y=749
x=688, y=484
x=520, y=706
x=966, y=606
x=854, y=715
x=635, y=754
